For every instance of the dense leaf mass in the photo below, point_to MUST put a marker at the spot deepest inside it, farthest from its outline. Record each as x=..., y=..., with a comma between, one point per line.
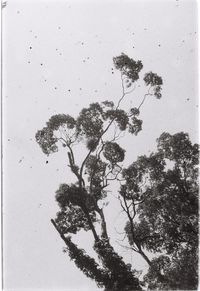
x=120, y=117
x=152, y=79
x=179, y=271
x=95, y=170
x=128, y=67
x=59, y=120
x=70, y=194
x=90, y=121
x=113, y=152
x=167, y=184
x=72, y=219
x=122, y=275
x=88, y=265
x=46, y=140
x=135, y=126
x=155, y=81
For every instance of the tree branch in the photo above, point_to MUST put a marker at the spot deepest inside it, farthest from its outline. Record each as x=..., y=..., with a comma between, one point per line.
x=147, y=94
x=83, y=261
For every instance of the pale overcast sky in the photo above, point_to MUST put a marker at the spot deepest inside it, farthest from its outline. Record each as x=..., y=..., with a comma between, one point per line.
x=57, y=58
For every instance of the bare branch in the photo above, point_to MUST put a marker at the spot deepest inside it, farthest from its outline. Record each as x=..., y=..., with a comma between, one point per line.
x=127, y=248
x=143, y=100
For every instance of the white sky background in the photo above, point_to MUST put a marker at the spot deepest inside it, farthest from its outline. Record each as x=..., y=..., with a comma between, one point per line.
x=72, y=46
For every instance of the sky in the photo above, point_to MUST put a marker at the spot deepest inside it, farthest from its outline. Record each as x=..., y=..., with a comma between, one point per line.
x=57, y=58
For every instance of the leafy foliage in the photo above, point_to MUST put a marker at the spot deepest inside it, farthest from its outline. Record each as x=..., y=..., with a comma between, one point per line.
x=179, y=272
x=120, y=117
x=135, y=126
x=78, y=202
x=45, y=138
x=155, y=82
x=67, y=194
x=113, y=152
x=90, y=121
x=128, y=67
x=95, y=168
x=166, y=186
x=61, y=119
x=122, y=275
x=87, y=264
x=72, y=219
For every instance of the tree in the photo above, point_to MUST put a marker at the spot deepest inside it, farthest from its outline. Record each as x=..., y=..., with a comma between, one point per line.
x=97, y=129
x=162, y=189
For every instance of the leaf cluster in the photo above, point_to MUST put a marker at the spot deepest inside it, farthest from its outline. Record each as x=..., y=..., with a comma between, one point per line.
x=128, y=67
x=72, y=201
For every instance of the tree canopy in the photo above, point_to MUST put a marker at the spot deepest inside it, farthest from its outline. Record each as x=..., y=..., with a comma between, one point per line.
x=157, y=193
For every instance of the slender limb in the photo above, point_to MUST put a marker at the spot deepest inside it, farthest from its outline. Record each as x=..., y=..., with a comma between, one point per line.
x=139, y=250
x=127, y=248
x=147, y=94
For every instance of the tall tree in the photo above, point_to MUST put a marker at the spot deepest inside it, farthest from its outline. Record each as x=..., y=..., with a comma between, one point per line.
x=160, y=198
x=97, y=129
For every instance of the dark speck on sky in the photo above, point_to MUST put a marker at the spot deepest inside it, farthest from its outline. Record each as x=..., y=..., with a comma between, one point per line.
x=47, y=162
x=21, y=160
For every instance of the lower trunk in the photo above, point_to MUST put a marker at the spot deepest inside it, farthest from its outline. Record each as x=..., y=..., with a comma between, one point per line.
x=122, y=277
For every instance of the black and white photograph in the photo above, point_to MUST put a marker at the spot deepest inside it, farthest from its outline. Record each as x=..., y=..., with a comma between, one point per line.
x=100, y=145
